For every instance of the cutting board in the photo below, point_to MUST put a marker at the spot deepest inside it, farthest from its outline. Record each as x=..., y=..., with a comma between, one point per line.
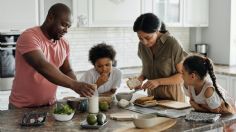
x=173, y=104
x=162, y=124
x=122, y=116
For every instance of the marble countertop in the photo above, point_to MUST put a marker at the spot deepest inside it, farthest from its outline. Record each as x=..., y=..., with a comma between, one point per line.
x=225, y=70
x=10, y=120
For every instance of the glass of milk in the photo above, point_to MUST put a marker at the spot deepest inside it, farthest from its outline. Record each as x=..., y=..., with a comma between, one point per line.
x=93, y=101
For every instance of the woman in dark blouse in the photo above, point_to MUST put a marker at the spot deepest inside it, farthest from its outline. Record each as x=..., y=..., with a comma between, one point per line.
x=161, y=56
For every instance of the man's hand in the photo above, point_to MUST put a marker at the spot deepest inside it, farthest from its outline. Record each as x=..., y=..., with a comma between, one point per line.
x=102, y=79
x=84, y=89
x=150, y=84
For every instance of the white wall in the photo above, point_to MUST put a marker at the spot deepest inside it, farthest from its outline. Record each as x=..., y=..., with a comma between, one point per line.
x=124, y=40
x=217, y=35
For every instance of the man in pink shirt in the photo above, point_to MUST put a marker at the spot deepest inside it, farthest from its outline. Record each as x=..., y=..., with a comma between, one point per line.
x=42, y=62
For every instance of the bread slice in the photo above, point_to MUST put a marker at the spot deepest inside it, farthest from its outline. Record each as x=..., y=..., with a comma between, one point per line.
x=150, y=102
x=143, y=99
x=133, y=83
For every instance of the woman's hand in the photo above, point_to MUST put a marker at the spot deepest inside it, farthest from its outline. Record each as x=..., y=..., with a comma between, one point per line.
x=151, y=84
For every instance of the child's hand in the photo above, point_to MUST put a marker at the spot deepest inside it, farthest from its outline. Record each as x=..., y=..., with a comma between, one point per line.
x=102, y=79
x=194, y=105
x=197, y=107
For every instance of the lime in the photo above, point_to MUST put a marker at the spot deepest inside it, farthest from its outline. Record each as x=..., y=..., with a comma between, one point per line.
x=91, y=119
x=103, y=106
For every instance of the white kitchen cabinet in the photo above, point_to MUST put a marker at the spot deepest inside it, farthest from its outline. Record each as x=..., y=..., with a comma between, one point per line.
x=223, y=81
x=168, y=11
x=110, y=13
x=196, y=13
x=228, y=83
x=233, y=87
x=18, y=14
x=44, y=6
x=179, y=13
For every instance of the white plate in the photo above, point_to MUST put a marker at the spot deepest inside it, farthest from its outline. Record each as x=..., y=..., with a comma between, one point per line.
x=84, y=124
x=146, y=105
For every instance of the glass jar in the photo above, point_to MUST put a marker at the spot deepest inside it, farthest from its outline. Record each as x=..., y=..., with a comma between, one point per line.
x=93, y=101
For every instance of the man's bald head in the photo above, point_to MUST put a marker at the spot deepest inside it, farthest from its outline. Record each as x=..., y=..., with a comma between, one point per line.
x=57, y=10
x=57, y=22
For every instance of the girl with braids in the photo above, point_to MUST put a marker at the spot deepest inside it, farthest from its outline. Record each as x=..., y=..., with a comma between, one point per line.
x=161, y=55
x=205, y=96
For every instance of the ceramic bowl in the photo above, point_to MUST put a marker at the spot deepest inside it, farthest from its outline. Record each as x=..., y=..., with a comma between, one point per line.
x=124, y=95
x=108, y=99
x=79, y=104
x=63, y=117
x=145, y=121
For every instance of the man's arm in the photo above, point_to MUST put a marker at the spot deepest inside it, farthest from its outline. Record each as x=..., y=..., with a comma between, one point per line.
x=38, y=61
x=67, y=70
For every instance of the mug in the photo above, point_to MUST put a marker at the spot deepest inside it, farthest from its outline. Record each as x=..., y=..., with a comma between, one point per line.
x=83, y=106
x=79, y=104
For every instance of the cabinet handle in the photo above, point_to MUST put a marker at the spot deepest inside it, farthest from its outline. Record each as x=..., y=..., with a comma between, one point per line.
x=82, y=20
x=117, y=1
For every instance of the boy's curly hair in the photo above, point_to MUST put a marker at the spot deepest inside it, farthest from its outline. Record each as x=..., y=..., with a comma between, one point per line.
x=101, y=50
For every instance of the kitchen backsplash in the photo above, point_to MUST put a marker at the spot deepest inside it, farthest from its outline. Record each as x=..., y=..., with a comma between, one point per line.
x=124, y=40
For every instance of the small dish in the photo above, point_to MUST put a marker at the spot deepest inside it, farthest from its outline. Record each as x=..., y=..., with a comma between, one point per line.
x=63, y=117
x=145, y=121
x=84, y=124
x=34, y=119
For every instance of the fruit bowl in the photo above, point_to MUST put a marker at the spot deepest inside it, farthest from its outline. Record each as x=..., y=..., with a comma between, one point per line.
x=63, y=113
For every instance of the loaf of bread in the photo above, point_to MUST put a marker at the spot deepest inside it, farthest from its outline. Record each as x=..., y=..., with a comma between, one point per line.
x=133, y=83
x=142, y=100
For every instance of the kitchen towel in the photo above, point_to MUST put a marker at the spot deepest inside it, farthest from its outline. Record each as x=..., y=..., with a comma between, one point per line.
x=202, y=117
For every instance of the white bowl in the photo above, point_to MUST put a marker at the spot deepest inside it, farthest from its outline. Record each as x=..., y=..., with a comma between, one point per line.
x=124, y=95
x=63, y=117
x=145, y=121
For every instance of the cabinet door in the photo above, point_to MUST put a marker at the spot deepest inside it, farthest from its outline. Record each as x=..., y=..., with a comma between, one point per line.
x=113, y=13
x=223, y=81
x=168, y=11
x=233, y=88
x=196, y=13
x=46, y=4
x=18, y=14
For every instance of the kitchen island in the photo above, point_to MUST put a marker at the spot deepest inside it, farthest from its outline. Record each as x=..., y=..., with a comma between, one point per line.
x=10, y=121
